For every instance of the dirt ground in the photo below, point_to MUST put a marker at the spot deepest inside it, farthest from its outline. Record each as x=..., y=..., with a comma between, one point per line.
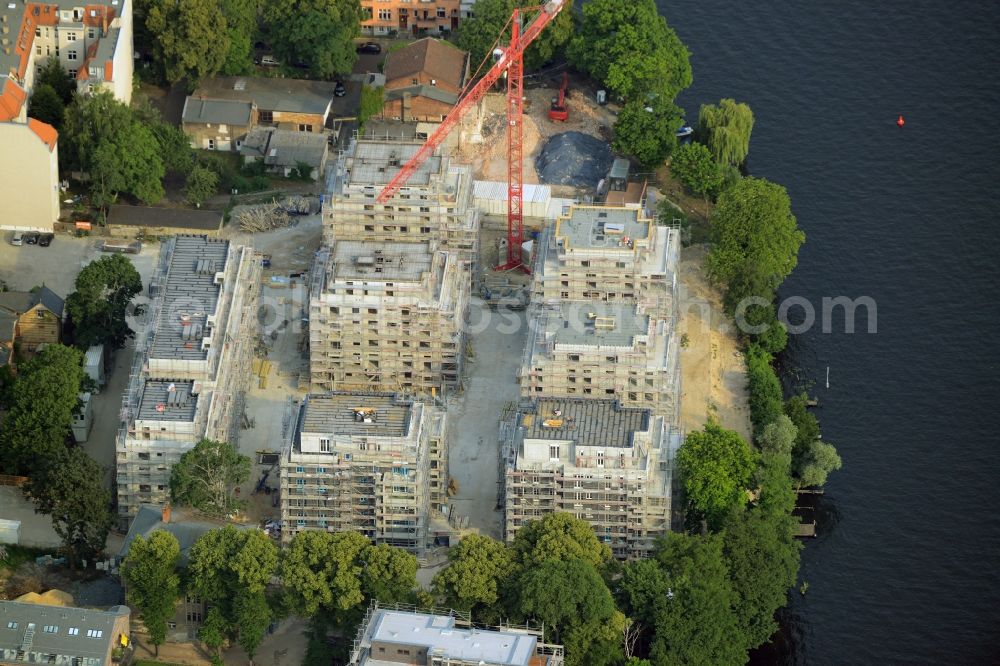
x=489, y=160
x=714, y=382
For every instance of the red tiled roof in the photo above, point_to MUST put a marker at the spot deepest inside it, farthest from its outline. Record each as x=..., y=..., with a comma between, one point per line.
x=47, y=133
x=431, y=56
x=12, y=97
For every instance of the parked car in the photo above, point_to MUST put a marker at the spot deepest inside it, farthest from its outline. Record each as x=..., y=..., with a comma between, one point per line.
x=31, y=238
x=17, y=238
x=370, y=47
x=46, y=239
x=269, y=61
x=339, y=90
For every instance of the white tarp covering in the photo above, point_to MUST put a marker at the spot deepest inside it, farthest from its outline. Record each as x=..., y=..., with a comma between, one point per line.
x=490, y=197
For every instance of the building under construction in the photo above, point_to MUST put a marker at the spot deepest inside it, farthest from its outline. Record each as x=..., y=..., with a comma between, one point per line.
x=607, y=464
x=434, y=205
x=375, y=463
x=607, y=254
x=387, y=316
x=192, y=363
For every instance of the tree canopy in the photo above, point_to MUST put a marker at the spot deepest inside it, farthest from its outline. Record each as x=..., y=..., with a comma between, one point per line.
x=227, y=561
x=189, y=37
x=45, y=105
x=44, y=397
x=726, y=129
x=98, y=308
x=205, y=477
x=201, y=183
x=559, y=536
x=693, y=165
x=816, y=462
x=755, y=240
x=53, y=75
x=764, y=388
x=715, y=466
x=478, y=569
x=152, y=581
x=478, y=34
x=565, y=594
x=646, y=129
x=628, y=46
x=71, y=490
x=241, y=27
x=316, y=32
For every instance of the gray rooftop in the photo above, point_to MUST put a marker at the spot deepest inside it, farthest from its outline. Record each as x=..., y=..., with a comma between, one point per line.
x=377, y=261
x=377, y=162
x=601, y=227
x=164, y=400
x=586, y=422
x=223, y=111
x=335, y=414
x=19, y=302
x=170, y=218
x=430, y=92
x=50, y=628
x=271, y=94
x=187, y=529
x=284, y=147
x=189, y=296
x=442, y=638
x=597, y=323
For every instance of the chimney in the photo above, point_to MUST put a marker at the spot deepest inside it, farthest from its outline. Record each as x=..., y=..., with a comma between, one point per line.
x=165, y=514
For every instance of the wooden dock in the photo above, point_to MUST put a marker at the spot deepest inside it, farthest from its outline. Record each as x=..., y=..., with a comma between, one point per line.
x=805, y=530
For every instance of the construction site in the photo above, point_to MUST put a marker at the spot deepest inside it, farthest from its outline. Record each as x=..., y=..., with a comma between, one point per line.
x=607, y=464
x=192, y=363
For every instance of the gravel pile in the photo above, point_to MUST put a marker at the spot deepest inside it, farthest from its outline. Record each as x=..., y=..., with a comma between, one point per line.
x=574, y=158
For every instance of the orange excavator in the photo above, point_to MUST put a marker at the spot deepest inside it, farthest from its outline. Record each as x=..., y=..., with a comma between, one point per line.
x=558, y=111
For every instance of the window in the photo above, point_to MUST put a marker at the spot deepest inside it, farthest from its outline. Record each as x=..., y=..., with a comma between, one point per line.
x=91, y=34
x=385, y=15
x=71, y=55
x=72, y=72
x=415, y=82
x=211, y=144
x=74, y=631
x=324, y=444
x=305, y=128
x=441, y=13
x=194, y=615
x=554, y=451
x=70, y=36
x=50, y=629
x=38, y=49
x=12, y=625
x=38, y=32
x=94, y=633
x=265, y=117
x=40, y=314
x=299, y=470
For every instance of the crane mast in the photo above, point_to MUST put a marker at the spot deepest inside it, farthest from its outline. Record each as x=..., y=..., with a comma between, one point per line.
x=511, y=61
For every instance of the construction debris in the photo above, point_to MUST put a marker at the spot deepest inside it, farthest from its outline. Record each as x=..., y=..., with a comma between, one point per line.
x=263, y=217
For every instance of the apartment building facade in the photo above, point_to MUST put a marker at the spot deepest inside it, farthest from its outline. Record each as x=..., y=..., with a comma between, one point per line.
x=609, y=465
x=29, y=175
x=387, y=316
x=435, y=205
x=416, y=17
x=192, y=363
x=374, y=463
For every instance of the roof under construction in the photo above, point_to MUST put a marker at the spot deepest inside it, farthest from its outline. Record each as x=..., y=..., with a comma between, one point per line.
x=352, y=414
x=377, y=162
x=602, y=227
x=371, y=261
x=190, y=294
x=596, y=323
x=585, y=422
x=164, y=400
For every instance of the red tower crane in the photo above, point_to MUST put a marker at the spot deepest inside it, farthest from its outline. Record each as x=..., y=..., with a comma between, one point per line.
x=511, y=61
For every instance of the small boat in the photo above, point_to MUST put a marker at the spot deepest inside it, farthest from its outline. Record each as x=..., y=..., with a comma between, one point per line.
x=685, y=131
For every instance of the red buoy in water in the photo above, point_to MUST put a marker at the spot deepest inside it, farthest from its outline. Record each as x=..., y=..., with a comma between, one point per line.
x=900, y=122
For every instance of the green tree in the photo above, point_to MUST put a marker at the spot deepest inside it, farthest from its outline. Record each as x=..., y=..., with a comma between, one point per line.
x=201, y=183
x=772, y=336
x=71, y=490
x=213, y=632
x=390, y=574
x=371, y=103
x=44, y=397
x=762, y=557
x=564, y=594
x=322, y=571
x=559, y=536
x=317, y=32
x=205, y=477
x=53, y=75
x=726, y=129
x=693, y=165
x=764, y=388
x=252, y=616
x=46, y=106
x=478, y=34
x=755, y=240
x=816, y=463
x=89, y=122
x=777, y=498
x=646, y=129
x=806, y=424
x=97, y=309
x=715, y=466
x=190, y=39
x=685, y=600
x=629, y=47
x=175, y=147
x=241, y=27
x=152, y=582
x=227, y=561
x=478, y=570
x=130, y=164
x=595, y=643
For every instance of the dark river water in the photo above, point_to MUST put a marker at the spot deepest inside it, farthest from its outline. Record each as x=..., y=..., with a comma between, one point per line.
x=907, y=567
